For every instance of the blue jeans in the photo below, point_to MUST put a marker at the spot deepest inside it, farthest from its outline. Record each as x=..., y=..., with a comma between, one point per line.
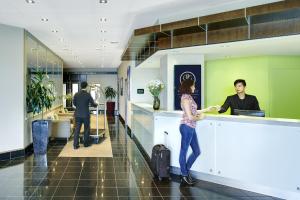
x=188, y=137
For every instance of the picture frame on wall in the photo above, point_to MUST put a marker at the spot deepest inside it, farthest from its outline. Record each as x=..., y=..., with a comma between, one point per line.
x=121, y=86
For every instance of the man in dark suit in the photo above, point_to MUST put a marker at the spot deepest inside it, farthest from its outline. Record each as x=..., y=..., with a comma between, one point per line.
x=240, y=100
x=82, y=100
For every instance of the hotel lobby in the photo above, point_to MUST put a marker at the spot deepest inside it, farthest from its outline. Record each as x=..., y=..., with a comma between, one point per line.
x=122, y=50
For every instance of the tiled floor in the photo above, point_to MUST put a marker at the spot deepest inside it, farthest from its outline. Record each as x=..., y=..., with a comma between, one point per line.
x=125, y=176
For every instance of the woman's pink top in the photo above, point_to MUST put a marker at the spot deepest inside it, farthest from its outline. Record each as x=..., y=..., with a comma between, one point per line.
x=193, y=107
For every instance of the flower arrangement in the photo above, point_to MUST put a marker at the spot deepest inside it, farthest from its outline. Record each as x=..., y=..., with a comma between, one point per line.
x=155, y=87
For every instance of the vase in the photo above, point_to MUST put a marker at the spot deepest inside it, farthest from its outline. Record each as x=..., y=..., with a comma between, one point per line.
x=156, y=103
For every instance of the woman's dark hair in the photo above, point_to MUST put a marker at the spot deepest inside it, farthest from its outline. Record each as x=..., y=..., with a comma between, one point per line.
x=185, y=87
x=242, y=81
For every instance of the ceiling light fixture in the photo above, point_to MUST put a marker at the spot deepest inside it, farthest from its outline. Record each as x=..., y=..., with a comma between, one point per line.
x=103, y=1
x=103, y=19
x=54, y=31
x=44, y=19
x=30, y=1
x=103, y=31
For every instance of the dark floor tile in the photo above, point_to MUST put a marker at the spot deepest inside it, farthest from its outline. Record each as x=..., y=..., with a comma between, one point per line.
x=89, y=175
x=72, y=175
x=68, y=183
x=65, y=192
x=44, y=191
x=87, y=192
x=107, y=192
x=49, y=182
x=128, y=192
x=150, y=192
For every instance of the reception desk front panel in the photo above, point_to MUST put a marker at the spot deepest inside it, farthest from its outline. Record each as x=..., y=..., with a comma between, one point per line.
x=257, y=154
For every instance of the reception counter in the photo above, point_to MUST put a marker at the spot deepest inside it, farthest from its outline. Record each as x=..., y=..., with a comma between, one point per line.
x=251, y=153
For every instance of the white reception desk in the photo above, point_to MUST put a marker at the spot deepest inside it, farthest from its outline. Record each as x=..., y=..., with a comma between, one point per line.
x=257, y=154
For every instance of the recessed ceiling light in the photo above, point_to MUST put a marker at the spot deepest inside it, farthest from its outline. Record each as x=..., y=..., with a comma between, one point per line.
x=103, y=19
x=54, y=31
x=30, y=1
x=103, y=31
x=44, y=19
x=103, y=1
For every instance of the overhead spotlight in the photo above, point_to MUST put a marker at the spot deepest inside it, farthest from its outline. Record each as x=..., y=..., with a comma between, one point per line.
x=103, y=31
x=103, y=19
x=30, y=1
x=103, y=1
x=44, y=19
x=54, y=31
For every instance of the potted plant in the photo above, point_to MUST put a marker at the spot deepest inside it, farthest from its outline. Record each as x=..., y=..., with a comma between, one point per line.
x=40, y=96
x=110, y=94
x=155, y=87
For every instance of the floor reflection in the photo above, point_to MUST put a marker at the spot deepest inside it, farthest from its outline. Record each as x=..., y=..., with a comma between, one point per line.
x=125, y=176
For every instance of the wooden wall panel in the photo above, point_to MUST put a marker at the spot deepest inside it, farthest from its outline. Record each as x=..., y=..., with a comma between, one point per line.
x=274, y=29
x=228, y=35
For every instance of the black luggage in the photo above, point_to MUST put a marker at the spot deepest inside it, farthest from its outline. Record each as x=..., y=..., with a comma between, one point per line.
x=160, y=161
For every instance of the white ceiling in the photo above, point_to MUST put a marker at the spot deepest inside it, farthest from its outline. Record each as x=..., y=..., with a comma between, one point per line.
x=79, y=41
x=261, y=47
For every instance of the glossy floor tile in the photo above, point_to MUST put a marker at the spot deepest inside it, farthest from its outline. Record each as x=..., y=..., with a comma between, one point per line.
x=124, y=176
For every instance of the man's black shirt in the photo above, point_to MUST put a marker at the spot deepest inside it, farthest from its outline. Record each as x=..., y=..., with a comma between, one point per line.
x=82, y=100
x=234, y=102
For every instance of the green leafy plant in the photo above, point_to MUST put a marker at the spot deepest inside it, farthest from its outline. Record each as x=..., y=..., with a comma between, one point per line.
x=40, y=93
x=110, y=93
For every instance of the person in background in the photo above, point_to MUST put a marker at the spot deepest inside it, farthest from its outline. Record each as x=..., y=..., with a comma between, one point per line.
x=240, y=100
x=187, y=129
x=82, y=100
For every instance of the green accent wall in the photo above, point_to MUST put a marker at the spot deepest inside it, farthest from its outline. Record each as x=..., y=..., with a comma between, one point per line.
x=274, y=80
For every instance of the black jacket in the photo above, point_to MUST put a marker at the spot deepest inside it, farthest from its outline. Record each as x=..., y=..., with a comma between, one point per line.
x=82, y=100
x=234, y=102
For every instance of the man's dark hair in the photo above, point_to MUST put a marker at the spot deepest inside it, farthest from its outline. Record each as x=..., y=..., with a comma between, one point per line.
x=83, y=84
x=240, y=81
x=185, y=87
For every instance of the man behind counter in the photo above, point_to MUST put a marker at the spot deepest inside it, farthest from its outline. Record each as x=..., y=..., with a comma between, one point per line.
x=240, y=100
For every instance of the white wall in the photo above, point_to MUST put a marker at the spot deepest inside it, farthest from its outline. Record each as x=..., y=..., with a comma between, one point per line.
x=122, y=73
x=12, y=88
x=105, y=80
x=140, y=79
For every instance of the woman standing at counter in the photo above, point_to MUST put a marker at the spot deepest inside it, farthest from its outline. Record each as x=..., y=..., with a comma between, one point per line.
x=187, y=129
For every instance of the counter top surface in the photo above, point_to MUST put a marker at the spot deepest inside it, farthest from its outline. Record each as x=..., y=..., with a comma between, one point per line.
x=246, y=119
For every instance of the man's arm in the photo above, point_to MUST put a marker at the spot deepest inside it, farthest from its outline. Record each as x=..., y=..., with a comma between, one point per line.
x=225, y=106
x=256, y=104
x=75, y=100
x=92, y=102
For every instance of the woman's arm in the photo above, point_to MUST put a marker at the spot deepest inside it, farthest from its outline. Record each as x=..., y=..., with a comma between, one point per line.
x=208, y=109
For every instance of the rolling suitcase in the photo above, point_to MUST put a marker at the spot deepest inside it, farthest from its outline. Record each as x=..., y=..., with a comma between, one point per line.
x=160, y=161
